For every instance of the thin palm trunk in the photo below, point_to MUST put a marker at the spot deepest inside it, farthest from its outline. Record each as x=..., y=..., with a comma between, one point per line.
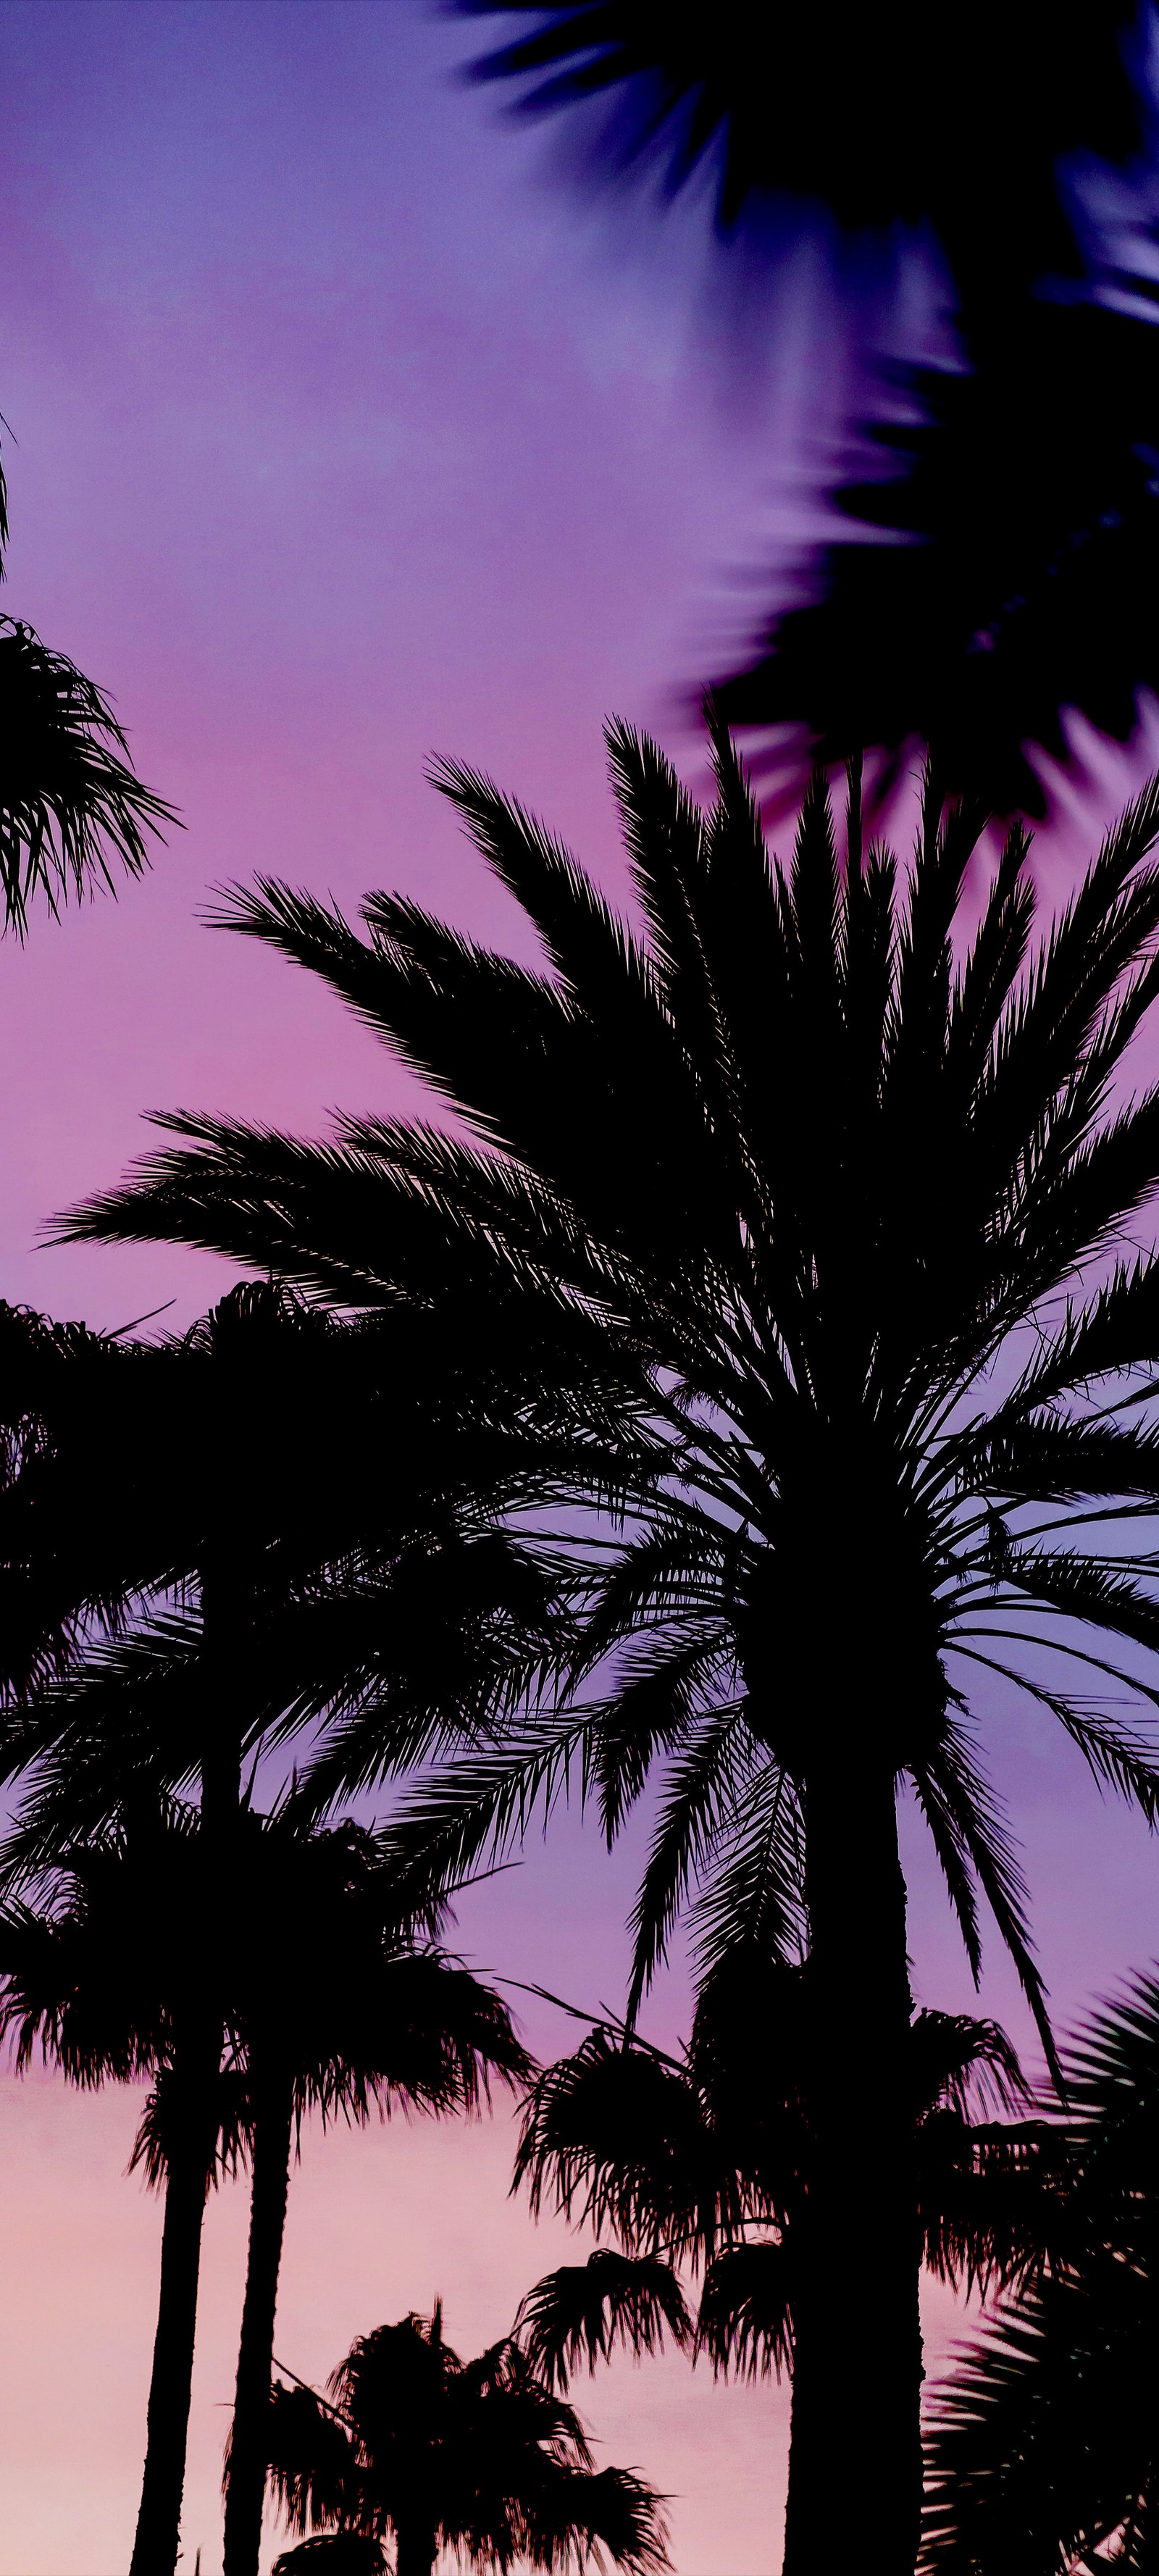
x=189, y=2159
x=856, y=2419
x=416, y=2550
x=273, y=2106
x=193, y=2143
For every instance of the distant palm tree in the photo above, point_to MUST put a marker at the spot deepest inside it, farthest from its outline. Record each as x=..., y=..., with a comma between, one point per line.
x=322, y=1999
x=826, y=1195
x=478, y=2458
x=705, y=2160
x=337, y=2007
x=110, y=1981
x=1043, y=2450
x=205, y=1543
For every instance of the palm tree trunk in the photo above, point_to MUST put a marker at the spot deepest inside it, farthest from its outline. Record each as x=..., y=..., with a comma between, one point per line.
x=188, y=2159
x=193, y=2144
x=273, y=2105
x=855, y=2457
x=416, y=2550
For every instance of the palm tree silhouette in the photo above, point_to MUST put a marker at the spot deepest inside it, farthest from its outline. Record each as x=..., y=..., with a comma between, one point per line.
x=1041, y=2450
x=827, y=1204
x=207, y=1542
x=706, y=2160
x=337, y=2008
x=1026, y=584
x=107, y=1979
x=877, y=120
x=71, y=804
x=476, y=2457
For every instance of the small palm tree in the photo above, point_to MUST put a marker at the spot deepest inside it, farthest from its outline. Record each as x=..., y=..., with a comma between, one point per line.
x=846, y=1214
x=1042, y=2451
x=336, y=2007
x=705, y=2160
x=477, y=2457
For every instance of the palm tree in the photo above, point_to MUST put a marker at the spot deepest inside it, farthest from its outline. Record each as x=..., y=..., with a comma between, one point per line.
x=399, y=2023
x=1026, y=584
x=336, y=2006
x=476, y=2457
x=829, y=1202
x=107, y=1979
x=70, y=802
x=207, y=1542
x=705, y=2160
x=878, y=120
x=1042, y=2449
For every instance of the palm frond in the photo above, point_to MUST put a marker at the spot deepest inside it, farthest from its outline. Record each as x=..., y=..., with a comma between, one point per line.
x=582, y=2311
x=71, y=807
x=745, y=2323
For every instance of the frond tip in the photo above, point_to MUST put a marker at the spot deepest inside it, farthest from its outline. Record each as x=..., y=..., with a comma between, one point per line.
x=71, y=805
x=582, y=2311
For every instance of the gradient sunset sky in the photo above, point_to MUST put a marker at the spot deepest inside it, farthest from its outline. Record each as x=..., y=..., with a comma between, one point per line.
x=340, y=436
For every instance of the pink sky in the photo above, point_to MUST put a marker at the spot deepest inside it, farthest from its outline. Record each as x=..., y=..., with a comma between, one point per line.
x=342, y=439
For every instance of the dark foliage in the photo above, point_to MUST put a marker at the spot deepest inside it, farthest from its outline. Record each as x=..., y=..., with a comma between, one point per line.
x=706, y=2160
x=715, y=1167
x=815, y=1204
x=1018, y=568
x=331, y=1494
x=72, y=808
x=1042, y=2449
x=1023, y=490
x=477, y=2457
x=881, y=115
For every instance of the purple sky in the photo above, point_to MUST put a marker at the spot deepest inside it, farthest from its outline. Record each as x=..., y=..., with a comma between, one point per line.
x=342, y=438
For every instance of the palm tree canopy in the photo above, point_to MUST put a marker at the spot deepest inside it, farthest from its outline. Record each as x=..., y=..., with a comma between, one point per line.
x=72, y=808
x=335, y=1494
x=829, y=1195
x=317, y=1968
x=1042, y=2450
x=876, y=114
x=76, y=1976
x=80, y=1981
x=707, y=2159
x=479, y=2455
x=1024, y=530
x=332, y=1981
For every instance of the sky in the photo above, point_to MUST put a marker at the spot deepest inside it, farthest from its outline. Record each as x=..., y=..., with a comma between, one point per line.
x=339, y=435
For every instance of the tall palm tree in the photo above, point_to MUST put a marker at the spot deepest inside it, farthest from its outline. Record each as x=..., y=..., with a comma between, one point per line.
x=1042, y=2450
x=830, y=1197
x=337, y=2007
x=107, y=1979
x=477, y=2457
x=206, y=1542
x=71, y=805
x=705, y=2160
